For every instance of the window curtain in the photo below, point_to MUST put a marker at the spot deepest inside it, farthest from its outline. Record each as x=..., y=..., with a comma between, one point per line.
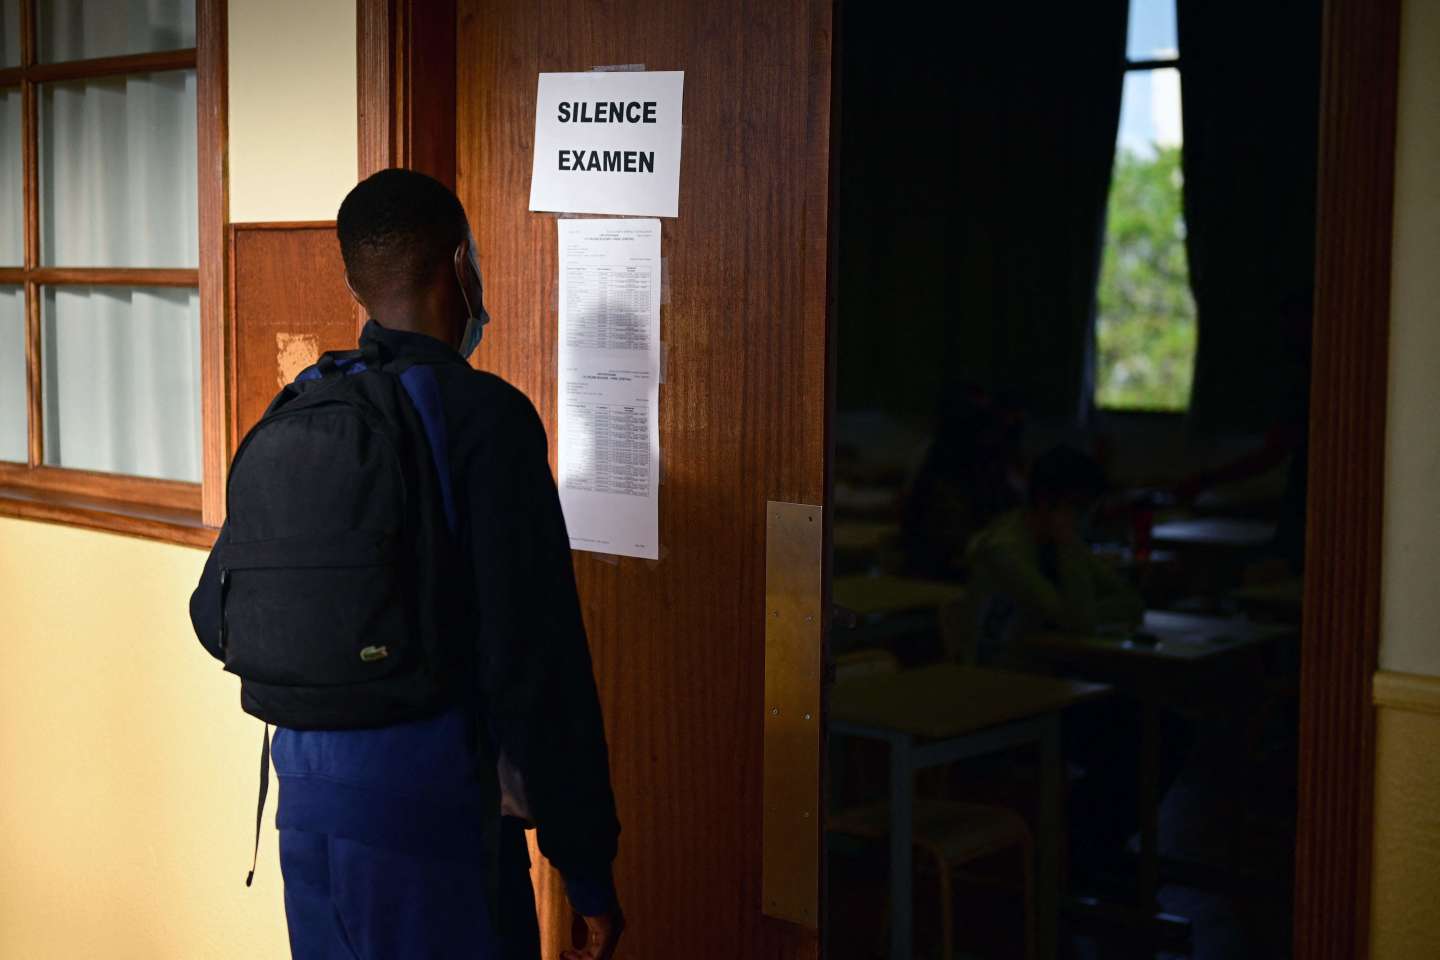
x=83, y=29
x=1040, y=132
x=12, y=181
x=13, y=403
x=121, y=365
x=13, y=396
x=974, y=167
x=122, y=380
x=9, y=33
x=1250, y=91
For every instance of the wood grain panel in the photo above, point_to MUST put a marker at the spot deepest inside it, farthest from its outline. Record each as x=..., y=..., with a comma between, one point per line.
x=48, y=505
x=679, y=644
x=289, y=304
x=405, y=58
x=103, y=276
x=374, y=68
x=213, y=108
x=163, y=494
x=1346, y=486
x=114, y=66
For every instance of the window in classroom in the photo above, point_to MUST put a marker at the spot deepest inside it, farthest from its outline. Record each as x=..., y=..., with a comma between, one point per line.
x=1145, y=330
x=9, y=33
x=13, y=396
x=99, y=239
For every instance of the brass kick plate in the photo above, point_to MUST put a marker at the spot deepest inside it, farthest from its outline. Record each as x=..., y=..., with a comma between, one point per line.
x=794, y=545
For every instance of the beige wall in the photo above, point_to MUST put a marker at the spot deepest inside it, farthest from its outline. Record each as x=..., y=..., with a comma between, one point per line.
x=128, y=769
x=293, y=127
x=1407, y=694
x=1411, y=606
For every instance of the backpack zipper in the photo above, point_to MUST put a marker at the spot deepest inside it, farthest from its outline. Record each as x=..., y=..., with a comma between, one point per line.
x=224, y=586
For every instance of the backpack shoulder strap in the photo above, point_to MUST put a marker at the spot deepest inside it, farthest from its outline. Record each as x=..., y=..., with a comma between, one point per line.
x=423, y=389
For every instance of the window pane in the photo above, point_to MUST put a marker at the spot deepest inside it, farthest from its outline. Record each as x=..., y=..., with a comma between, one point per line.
x=1145, y=322
x=12, y=181
x=82, y=29
x=121, y=380
x=1152, y=30
x=13, y=405
x=9, y=33
x=117, y=172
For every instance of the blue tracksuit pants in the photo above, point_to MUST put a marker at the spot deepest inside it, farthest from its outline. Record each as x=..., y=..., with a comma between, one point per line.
x=346, y=900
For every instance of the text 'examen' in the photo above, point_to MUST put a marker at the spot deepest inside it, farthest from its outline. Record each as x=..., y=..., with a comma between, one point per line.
x=607, y=111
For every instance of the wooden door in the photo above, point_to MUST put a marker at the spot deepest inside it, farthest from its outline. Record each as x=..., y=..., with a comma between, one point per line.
x=679, y=644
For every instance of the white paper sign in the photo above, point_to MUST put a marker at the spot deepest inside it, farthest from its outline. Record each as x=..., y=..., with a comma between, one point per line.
x=608, y=143
x=609, y=403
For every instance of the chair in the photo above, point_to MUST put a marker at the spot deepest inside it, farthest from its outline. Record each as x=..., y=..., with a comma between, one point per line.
x=947, y=833
x=950, y=834
x=864, y=663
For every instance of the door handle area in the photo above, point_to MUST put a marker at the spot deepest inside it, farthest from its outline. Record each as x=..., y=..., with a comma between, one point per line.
x=795, y=622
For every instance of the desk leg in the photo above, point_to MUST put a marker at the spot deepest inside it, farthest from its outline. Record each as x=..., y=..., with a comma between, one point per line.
x=1047, y=873
x=1149, y=805
x=902, y=800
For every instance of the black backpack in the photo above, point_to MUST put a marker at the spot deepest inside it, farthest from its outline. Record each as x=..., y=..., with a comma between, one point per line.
x=341, y=603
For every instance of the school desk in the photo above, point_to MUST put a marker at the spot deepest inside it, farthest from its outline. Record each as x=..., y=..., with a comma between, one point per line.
x=1192, y=660
x=939, y=715
x=887, y=594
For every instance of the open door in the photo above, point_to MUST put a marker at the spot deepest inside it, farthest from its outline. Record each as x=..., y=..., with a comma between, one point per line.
x=720, y=858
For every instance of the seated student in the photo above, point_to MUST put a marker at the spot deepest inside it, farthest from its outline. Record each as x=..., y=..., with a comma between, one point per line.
x=971, y=474
x=1032, y=568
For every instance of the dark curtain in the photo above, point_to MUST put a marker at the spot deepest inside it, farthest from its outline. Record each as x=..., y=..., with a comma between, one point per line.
x=974, y=169
x=1250, y=90
x=1042, y=127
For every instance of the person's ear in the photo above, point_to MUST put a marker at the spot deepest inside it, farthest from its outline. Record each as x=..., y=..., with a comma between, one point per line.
x=351, y=287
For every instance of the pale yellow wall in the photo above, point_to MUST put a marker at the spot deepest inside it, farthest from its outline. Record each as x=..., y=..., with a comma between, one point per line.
x=1411, y=605
x=293, y=126
x=128, y=770
x=1404, y=925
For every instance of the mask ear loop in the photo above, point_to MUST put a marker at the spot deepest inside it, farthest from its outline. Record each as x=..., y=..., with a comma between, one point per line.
x=482, y=316
x=458, y=259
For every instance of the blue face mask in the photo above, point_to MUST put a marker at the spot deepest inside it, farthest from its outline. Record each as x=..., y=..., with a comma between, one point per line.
x=477, y=318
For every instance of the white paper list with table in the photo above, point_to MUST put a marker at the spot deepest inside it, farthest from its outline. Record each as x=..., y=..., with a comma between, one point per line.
x=609, y=385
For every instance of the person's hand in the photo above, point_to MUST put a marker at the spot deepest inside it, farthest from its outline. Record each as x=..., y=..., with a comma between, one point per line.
x=602, y=935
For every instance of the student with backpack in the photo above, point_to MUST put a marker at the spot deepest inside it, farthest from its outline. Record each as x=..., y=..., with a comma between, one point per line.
x=393, y=586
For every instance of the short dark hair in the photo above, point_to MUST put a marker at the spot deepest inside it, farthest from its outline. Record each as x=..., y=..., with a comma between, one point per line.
x=1065, y=475
x=396, y=228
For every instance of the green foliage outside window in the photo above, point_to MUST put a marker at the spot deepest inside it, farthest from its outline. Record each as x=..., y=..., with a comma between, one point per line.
x=1145, y=319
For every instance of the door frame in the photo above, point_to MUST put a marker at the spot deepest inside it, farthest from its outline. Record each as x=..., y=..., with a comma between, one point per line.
x=1344, y=528
x=406, y=82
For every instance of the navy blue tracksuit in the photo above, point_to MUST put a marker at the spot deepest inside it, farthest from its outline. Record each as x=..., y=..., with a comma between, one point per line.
x=388, y=837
